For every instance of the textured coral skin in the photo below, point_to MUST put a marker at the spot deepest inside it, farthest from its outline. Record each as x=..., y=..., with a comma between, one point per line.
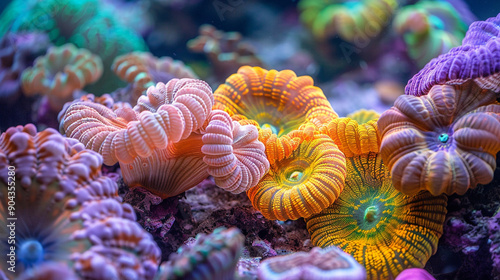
x=328, y=264
x=478, y=59
x=142, y=70
x=60, y=72
x=443, y=142
x=167, y=114
x=381, y=228
x=351, y=21
x=280, y=100
x=235, y=157
x=363, y=116
x=429, y=29
x=212, y=256
x=351, y=137
x=64, y=204
x=303, y=183
x=171, y=140
x=415, y=274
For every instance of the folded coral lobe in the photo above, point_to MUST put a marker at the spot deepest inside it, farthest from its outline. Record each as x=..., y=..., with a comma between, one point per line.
x=443, y=142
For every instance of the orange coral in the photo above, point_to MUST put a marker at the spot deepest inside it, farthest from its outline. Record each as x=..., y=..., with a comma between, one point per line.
x=142, y=70
x=278, y=100
x=61, y=71
x=443, y=142
x=303, y=183
x=351, y=137
x=380, y=227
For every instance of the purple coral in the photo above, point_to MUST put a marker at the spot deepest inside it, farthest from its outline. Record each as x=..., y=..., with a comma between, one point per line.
x=478, y=59
x=66, y=212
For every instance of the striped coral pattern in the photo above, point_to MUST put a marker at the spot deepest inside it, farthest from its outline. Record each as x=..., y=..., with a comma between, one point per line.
x=383, y=229
x=302, y=184
x=351, y=137
x=278, y=99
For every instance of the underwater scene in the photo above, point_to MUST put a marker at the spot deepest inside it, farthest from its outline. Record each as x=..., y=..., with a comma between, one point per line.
x=250, y=139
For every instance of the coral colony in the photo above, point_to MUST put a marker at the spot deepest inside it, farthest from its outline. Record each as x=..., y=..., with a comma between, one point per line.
x=163, y=139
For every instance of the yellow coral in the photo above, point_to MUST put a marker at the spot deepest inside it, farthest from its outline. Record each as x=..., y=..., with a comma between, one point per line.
x=383, y=229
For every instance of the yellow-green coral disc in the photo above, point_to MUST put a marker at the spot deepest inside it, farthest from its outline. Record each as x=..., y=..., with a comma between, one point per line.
x=381, y=228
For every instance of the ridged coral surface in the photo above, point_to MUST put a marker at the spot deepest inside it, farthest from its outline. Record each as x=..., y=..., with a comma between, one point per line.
x=351, y=137
x=381, y=228
x=478, y=59
x=212, y=256
x=302, y=184
x=66, y=212
x=142, y=70
x=442, y=142
x=278, y=100
x=60, y=72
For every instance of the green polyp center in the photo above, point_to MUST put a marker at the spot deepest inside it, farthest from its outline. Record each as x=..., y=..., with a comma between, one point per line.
x=274, y=130
x=295, y=176
x=443, y=138
x=31, y=252
x=371, y=214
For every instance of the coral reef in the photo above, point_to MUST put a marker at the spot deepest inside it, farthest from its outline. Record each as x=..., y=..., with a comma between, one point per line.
x=68, y=218
x=171, y=140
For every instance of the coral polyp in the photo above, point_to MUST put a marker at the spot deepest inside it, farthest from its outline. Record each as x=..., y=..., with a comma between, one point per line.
x=383, y=229
x=280, y=101
x=302, y=184
x=57, y=207
x=442, y=142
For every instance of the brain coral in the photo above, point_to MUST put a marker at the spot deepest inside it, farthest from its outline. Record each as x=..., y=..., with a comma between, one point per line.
x=159, y=143
x=478, y=59
x=443, y=142
x=303, y=183
x=68, y=218
x=350, y=20
x=60, y=72
x=429, y=28
x=212, y=256
x=383, y=229
x=142, y=70
x=330, y=263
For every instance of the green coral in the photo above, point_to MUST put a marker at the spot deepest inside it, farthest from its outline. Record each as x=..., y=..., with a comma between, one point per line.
x=85, y=23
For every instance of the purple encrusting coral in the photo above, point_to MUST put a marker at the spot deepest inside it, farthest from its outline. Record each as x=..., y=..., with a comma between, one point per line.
x=478, y=59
